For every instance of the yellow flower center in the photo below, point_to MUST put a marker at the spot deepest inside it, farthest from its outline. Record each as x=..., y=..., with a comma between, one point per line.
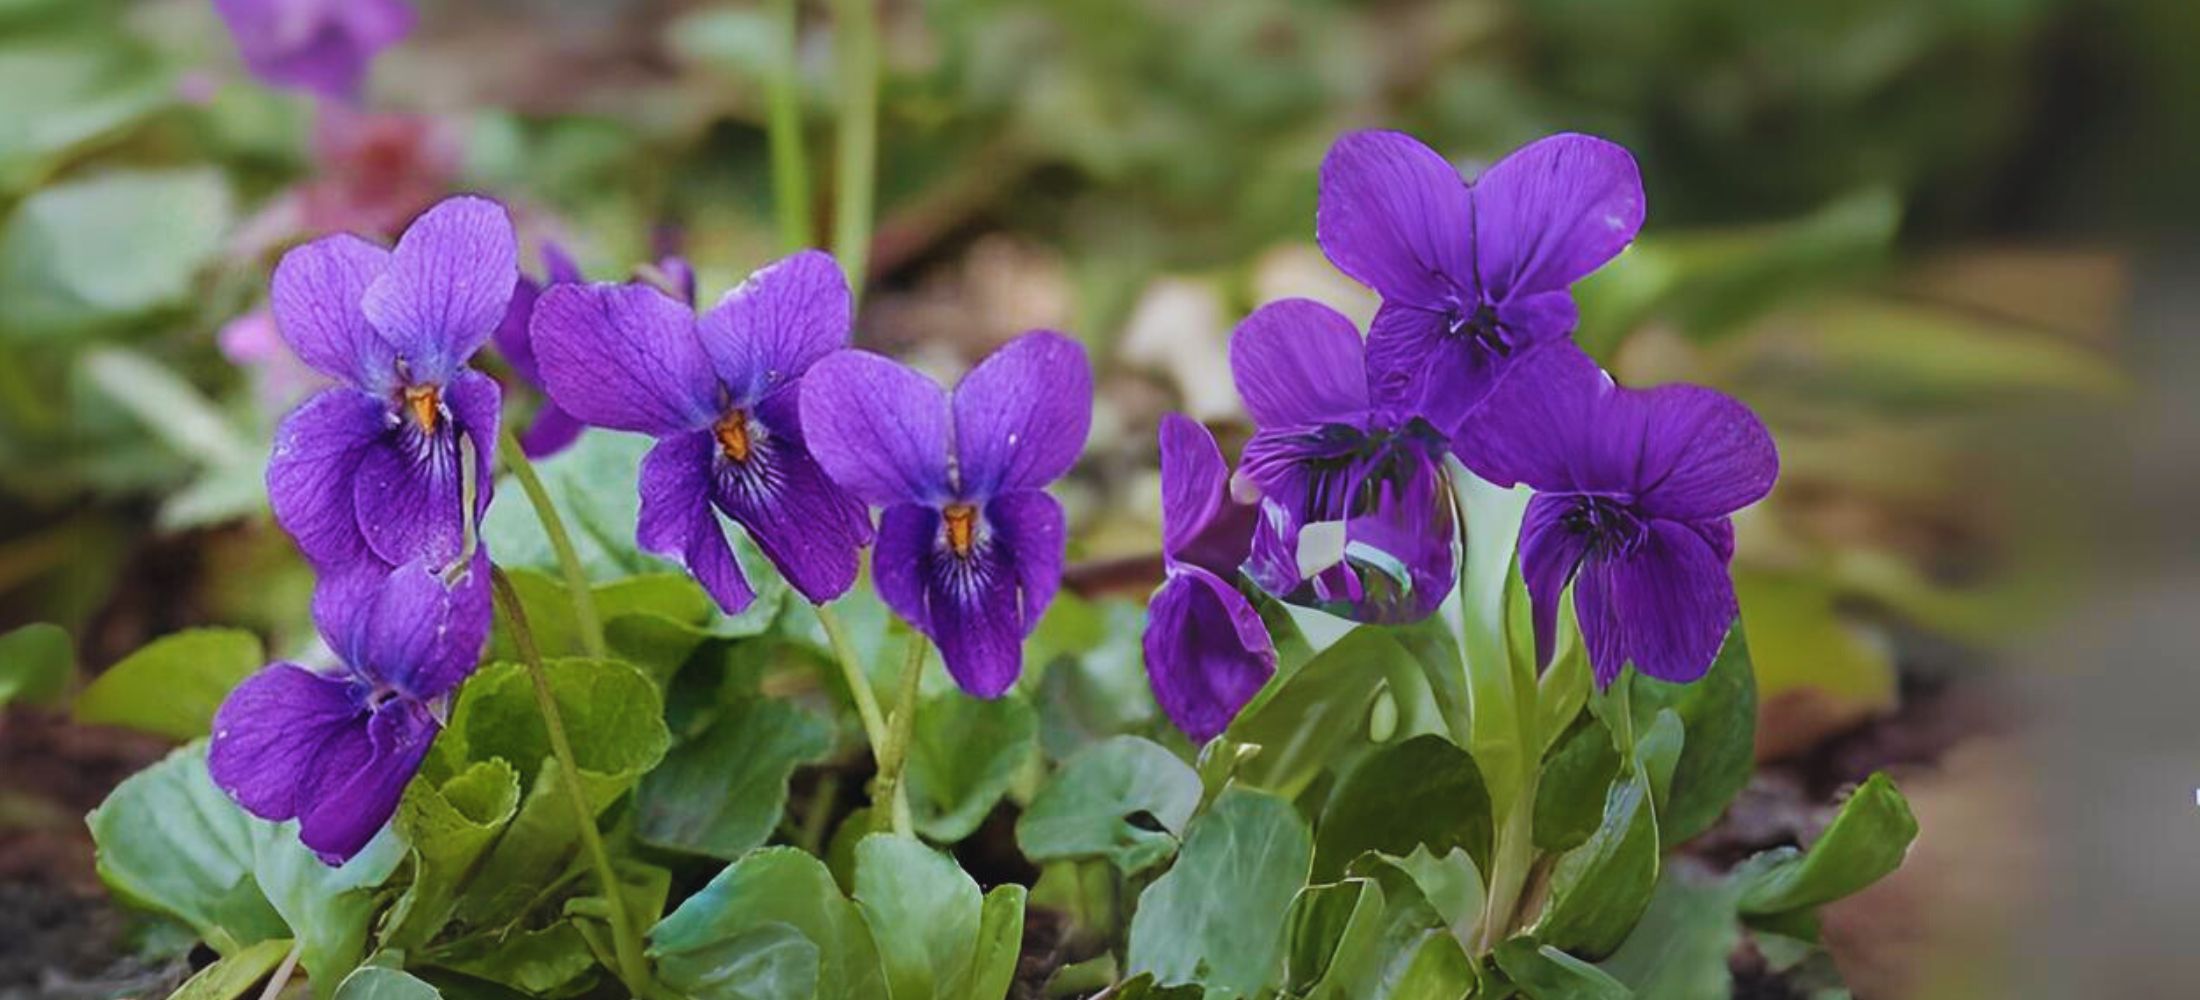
x=962, y=527
x=733, y=435
x=424, y=401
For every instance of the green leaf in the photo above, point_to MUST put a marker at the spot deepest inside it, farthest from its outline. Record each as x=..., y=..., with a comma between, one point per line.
x=1569, y=795
x=1421, y=792
x=1719, y=715
x=170, y=841
x=1679, y=949
x=36, y=664
x=376, y=983
x=449, y=826
x=963, y=756
x=106, y=248
x=615, y=719
x=1216, y=917
x=173, y=685
x=536, y=960
x=1333, y=939
x=1099, y=802
x=718, y=929
x=61, y=96
x=1000, y=943
x=1867, y=840
x=1426, y=899
x=235, y=975
x=769, y=961
x=1546, y=973
x=722, y=792
x=328, y=909
x=1303, y=721
x=923, y=912
x=1599, y=890
x=1438, y=969
x=1500, y=688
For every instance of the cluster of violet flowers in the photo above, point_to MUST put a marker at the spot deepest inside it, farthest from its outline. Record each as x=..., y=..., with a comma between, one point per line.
x=764, y=415
x=1342, y=499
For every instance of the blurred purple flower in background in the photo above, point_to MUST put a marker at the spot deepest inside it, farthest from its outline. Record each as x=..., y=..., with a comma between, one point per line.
x=1356, y=514
x=721, y=396
x=321, y=46
x=1633, y=492
x=970, y=546
x=334, y=751
x=279, y=379
x=371, y=467
x=552, y=429
x=1207, y=651
x=1471, y=277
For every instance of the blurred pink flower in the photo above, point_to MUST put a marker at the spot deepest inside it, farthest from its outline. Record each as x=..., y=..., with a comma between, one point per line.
x=279, y=378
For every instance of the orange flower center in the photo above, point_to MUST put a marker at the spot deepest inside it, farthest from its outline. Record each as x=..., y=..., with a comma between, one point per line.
x=733, y=435
x=962, y=527
x=424, y=401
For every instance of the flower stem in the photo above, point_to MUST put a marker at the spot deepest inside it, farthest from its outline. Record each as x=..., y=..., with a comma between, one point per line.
x=856, y=143
x=859, y=683
x=626, y=942
x=790, y=166
x=893, y=759
x=281, y=976
x=569, y=561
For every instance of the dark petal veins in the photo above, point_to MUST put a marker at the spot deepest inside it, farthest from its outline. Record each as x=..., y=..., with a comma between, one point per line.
x=1419, y=366
x=1397, y=217
x=446, y=287
x=1022, y=415
x=774, y=326
x=1299, y=362
x=407, y=493
x=625, y=357
x=878, y=427
x=809, y=527
x=357, y=780
x=1553, y=211
x=1207, y=652
x=1665, y=605
x=907, y=534
x=1387, y=507
x=1031, y=536
x=1550, y=551
x=316, y=297
x=1195, y=481
x=271, y=729
x=310, y=473
x=677, y=522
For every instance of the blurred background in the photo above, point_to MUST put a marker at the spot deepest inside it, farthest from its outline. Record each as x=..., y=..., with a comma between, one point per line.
x=1947, y=249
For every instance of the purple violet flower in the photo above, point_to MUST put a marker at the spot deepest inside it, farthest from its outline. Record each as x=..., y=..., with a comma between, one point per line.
x=1207, y=651
x=321, y=46
x=1634, y=488
x=970, y=546
x=371, y=467
x=335, y=750
x=722, y=398
x=1356, y=513
x=553, y=429
x=1471, y=276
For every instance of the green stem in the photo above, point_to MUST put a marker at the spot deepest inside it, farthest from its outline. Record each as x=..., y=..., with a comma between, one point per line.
x=569, y=561
x=1619, y=713
x=790, y=162
x=859, y=683
x=856, y=144
x=893, y=759
x=626, y=943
